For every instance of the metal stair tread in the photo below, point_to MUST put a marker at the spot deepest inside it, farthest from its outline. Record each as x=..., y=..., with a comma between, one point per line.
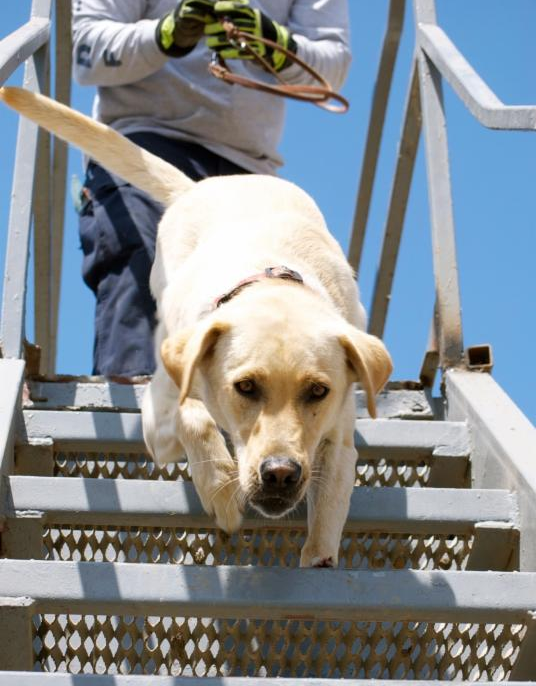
x=62, y=679
x=226, y=592
x=121, y=431
x=400, y=399
x=167, y=503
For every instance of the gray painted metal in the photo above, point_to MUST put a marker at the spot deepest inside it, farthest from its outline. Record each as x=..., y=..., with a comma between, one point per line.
x=57, y=679
x=442, y=221
x=12, y=375
x=430, y=361
x=62, y=93
x=269, y=593
x=21, y=44
x=479, y=99
x=164, y=503
x=504, y=446
x=398, y=403
x=84, y=393
x=42, y=235
x=16, y=633
x=375, y=128
x=525, y=665
x=22, y=537
x=35, y=458
x=18, y=245
x=407, y=152
x=495, y=546
x=399, y=439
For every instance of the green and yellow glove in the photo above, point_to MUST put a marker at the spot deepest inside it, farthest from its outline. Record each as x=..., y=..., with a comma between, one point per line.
x=251, y=21
x=178, y=32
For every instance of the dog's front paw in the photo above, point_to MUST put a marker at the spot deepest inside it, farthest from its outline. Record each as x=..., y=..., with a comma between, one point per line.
x=222, y=502
x=312, y=557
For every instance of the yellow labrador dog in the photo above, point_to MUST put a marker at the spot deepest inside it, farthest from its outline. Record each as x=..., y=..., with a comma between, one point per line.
x=259, y=334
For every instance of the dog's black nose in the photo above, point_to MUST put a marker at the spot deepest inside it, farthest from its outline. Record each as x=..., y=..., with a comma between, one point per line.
x=280, y=473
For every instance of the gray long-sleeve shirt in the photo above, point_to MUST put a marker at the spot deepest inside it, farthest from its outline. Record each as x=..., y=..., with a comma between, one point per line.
x=141, y=89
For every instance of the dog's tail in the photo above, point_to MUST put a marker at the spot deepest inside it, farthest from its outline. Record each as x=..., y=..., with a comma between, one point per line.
x=117, y=154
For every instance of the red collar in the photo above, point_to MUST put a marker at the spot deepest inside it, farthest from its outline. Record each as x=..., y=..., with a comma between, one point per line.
x=281, y=272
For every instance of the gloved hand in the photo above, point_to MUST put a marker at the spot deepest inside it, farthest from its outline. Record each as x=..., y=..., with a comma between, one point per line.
x=252, y=21
x=178, y=32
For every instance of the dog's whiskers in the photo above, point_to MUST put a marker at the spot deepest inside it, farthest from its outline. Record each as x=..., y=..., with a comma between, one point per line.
x=224, y=485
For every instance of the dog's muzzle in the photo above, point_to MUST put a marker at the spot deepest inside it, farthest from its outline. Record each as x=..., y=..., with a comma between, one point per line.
x=279, y=488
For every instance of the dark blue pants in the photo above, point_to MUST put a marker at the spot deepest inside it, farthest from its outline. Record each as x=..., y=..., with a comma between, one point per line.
x=118, y=226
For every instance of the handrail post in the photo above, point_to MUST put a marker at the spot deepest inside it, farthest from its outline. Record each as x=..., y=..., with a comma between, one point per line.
x=398, y=200
x=12, y=320
x=439, y=188
x=382, y=87
x=62, y=93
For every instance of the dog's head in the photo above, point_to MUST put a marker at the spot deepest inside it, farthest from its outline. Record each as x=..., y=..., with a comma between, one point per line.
x=275, y=376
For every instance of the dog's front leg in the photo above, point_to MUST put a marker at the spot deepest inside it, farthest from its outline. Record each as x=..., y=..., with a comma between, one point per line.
x=214, y=472
x=328, y=500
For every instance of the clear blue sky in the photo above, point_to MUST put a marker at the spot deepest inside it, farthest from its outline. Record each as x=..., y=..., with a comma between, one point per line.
x=493, y=176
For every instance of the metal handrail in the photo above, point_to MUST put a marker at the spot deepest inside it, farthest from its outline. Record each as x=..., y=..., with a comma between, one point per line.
x=476, y=95
x=436, y=57
x=380, y=98
x=22, y=44
x=38, y=187
x=407, y=152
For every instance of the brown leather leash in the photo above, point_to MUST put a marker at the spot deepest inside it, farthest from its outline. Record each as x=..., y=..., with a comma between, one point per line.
x=320, y=95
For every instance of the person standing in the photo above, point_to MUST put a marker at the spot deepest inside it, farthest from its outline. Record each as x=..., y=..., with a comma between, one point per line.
x=149, y=60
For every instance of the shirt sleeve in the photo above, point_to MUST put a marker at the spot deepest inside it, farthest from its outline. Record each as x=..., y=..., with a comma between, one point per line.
x=321, y=29
x=113, y=44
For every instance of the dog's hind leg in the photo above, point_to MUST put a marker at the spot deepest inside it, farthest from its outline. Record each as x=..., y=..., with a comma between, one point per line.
x=328, y=498
x=159, y=409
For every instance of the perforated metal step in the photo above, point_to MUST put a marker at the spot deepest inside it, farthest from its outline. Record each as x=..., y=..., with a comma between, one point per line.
x=245, y=621
x=126, y=574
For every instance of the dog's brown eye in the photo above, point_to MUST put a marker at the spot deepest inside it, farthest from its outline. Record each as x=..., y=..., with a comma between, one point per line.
x=317, y=391
x=246, y=387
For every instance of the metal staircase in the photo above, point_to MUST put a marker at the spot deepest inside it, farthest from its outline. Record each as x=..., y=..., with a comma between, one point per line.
x=111, y=569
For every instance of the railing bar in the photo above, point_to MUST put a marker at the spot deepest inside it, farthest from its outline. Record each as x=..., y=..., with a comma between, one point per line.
x=12, y=375
x=19, y=224
x=22, y=44
x=42, y=232
x=430, y=361
x=440, y=196
x=442, y=221
x=407, y=152
x=479, y=99
x=382, y=88
x=62, y=93
x=12, y=322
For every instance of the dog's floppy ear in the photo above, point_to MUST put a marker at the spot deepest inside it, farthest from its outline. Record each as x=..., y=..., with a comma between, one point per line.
x=369, y=361
x=181, y=354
